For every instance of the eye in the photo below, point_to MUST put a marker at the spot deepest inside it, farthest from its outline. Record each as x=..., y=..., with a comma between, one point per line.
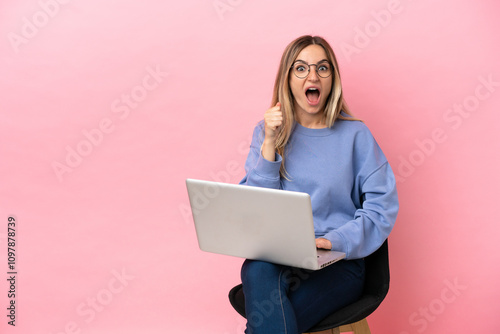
x=300, y=68
x=323, y=68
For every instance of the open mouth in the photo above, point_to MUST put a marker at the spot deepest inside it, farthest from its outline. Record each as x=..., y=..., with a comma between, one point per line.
x=312, y=95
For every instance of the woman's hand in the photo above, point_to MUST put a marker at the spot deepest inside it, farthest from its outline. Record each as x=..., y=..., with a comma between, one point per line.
x=323, y=243
x=273, y=118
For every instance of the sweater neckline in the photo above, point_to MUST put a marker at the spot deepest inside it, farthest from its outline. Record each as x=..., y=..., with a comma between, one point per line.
x=312, y=132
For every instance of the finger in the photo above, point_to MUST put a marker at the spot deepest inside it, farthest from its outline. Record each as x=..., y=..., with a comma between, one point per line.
x=274, y=113
x=276, y=107
x=273, y=117
x=277, y=118
x=276, y=124
x=273, y=126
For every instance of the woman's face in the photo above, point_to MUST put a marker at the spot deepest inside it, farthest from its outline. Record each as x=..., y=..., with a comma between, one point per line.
x=310, y=93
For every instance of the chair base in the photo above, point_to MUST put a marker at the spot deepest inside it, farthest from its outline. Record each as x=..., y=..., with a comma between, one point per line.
x=360, y=327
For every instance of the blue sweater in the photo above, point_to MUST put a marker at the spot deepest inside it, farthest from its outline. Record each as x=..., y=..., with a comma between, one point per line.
x=352, y=187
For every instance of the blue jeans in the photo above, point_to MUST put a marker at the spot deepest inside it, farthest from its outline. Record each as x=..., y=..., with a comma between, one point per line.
x=286, y=300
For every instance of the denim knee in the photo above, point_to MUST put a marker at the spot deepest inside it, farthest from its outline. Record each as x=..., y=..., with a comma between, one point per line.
x=253, y=271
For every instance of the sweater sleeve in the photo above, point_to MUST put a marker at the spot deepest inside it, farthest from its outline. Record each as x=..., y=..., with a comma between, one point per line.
x=372, y=222
x=259, y=171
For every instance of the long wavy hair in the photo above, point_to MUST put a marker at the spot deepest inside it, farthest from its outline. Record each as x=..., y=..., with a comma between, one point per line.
x=335, y=103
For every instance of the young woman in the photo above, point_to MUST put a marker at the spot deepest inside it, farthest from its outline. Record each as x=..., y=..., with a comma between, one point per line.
x=310, y=142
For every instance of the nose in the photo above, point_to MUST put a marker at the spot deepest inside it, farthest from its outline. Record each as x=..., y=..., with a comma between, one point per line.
x=313, y=75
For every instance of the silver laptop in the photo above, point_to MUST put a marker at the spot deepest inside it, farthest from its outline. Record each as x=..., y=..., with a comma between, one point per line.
x=257, y=223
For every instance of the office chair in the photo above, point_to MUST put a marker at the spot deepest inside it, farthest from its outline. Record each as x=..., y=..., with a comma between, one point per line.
x=351, y=318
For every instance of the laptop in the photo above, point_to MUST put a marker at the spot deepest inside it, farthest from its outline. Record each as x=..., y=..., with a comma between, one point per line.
x=257, y=223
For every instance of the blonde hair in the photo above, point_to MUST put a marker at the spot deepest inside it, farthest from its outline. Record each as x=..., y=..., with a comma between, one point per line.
x=335, y=103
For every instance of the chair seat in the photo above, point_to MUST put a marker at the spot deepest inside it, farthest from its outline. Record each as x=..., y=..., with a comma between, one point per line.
x=352, y=313
x=375, y=289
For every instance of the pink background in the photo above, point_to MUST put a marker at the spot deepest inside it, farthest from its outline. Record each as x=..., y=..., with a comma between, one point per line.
x=75, y=76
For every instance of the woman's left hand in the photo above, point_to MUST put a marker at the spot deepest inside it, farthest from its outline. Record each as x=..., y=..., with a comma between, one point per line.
x=323, y=243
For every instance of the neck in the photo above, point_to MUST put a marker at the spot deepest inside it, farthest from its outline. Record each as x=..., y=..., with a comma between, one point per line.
x=316, y=121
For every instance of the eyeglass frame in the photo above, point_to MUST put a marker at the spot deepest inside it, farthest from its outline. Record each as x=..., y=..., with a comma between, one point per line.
x=309, y=68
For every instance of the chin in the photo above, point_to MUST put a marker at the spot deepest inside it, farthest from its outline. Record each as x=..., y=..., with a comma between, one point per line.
x=310, y=110
x=313, y=110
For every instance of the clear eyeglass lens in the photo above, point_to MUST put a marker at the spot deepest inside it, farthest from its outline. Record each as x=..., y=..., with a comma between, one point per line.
x=324, y=70
x=301, y=70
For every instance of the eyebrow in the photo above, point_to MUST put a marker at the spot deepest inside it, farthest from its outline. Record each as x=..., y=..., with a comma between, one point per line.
x=303, y=61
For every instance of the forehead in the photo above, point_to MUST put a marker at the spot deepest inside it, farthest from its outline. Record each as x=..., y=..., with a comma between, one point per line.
x=312, y=54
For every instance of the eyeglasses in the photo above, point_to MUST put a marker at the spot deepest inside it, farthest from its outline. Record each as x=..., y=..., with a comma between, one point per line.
x=301, y=69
